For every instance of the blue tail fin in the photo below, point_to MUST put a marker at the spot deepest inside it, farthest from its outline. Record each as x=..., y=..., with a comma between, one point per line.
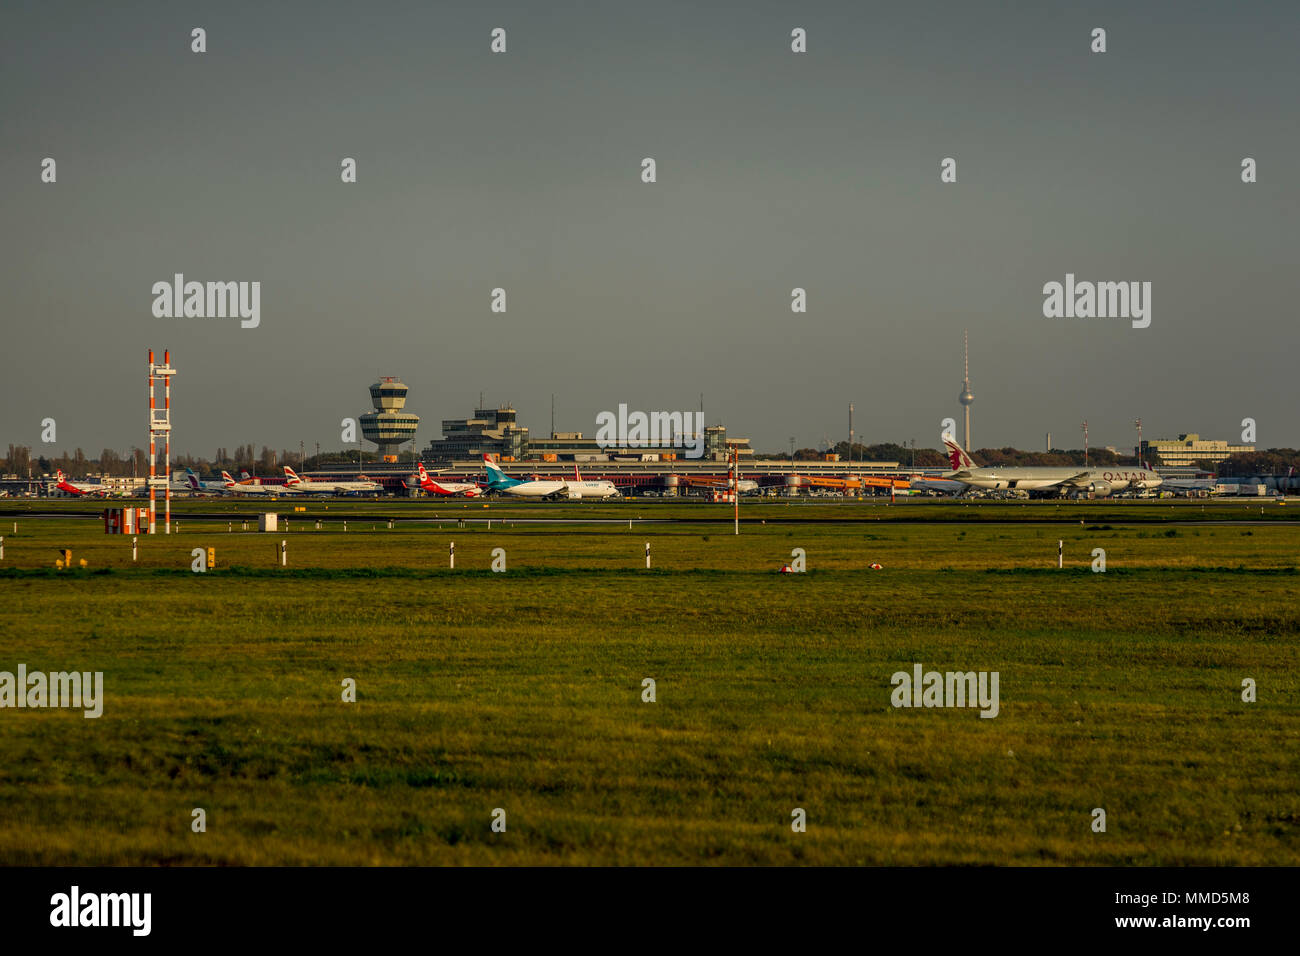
x=496, y=477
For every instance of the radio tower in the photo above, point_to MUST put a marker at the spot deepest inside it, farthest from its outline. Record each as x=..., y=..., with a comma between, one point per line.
x=966, y=398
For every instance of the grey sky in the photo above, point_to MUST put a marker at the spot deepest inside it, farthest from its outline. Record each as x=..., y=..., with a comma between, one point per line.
x=775, y=170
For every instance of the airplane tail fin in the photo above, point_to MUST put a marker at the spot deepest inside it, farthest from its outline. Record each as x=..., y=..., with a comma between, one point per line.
x=225, y=476
x=244, y=475
x=424, y=475
x=957, y=456
x=291, y=478
x=59, y=474
x=192, y=478
x=494, y=473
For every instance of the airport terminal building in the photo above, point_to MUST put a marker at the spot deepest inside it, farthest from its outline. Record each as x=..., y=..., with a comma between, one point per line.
x=497, y=432
x=1190, y=448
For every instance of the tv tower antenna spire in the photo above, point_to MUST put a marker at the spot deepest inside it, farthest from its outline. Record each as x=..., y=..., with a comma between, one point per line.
x=966, y=397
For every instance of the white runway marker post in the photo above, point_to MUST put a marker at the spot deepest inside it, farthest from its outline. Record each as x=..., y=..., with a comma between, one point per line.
x=2, y=548
x=451, y=554
x=647, y=554
x=1060, y=554
x=284, y=553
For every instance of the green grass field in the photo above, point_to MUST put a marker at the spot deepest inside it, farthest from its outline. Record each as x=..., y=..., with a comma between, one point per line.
x=523, y=690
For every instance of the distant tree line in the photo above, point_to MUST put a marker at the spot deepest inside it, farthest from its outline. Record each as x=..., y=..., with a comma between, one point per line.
x=1271, y=461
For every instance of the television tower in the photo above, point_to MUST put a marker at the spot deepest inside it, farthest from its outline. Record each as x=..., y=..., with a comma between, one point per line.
x=966, y=398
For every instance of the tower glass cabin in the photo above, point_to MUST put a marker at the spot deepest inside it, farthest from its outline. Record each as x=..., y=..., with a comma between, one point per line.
x=388, y=426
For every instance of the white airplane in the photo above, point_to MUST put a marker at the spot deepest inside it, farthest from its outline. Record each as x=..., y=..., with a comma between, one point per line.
x=499, y=482
x=1097, y=481
x=246, y=486
x=195, y=485
x=309, y=487
x=937, y=486
x=1191, y=487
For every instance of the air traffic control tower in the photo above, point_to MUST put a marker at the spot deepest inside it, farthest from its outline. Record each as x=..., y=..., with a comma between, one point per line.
x=388, y=426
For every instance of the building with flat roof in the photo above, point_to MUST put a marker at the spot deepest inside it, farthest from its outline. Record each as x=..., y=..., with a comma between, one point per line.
x=1190, y=448
x=491, y=431
x=497, y=432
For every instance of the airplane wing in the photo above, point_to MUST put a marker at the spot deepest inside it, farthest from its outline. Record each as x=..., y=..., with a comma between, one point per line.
x=1073, y=480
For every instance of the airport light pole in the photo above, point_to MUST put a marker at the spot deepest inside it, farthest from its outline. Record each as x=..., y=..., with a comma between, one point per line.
x=1137, y=423
x=1084, y=426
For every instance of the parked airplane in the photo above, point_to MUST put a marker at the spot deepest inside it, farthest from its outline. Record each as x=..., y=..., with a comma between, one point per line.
x=744, y=486
x=310, y=487
x=1098, y=481
x=500, y=482
x=1191, y=487
x=194, y=484
x=246, y=486
x=467, y=488
x=938, y=486
x=78, y=489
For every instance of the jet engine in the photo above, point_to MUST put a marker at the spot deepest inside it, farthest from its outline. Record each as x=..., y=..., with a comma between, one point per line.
x=1100, y=489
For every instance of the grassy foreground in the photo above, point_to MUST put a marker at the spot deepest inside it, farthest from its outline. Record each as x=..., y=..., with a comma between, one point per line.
x=523, y=691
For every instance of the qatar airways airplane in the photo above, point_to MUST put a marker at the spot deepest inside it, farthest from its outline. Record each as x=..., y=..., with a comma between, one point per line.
x=1098, y=481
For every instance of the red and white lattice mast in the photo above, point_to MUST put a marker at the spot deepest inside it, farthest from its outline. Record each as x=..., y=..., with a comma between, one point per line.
x=160, y=424
x=735, y=486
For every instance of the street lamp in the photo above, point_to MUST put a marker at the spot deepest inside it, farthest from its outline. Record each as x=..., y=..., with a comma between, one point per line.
x=1137, y=423
x=1084, y=426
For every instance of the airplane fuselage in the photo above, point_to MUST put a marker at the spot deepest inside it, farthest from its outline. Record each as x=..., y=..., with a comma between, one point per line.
x=561, y=489
x=332, y=487
x=451, y=488
x=1066, y=479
